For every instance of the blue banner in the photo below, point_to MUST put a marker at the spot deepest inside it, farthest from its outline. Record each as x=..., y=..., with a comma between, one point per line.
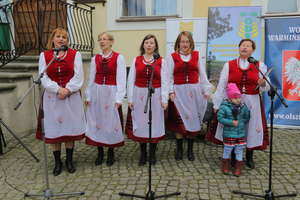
x=226, y=27
x=283, y=54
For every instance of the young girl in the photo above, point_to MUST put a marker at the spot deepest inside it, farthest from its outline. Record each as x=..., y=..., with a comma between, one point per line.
x=234, y=116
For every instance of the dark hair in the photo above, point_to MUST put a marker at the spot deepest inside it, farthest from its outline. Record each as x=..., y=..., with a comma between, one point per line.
x=248, y=40
x=190, y=38
x=147, y=37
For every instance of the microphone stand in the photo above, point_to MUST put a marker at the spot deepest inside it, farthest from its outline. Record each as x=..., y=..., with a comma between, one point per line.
x=269, y=195
x=150, y=194
x=16, y=137
x=47, y=193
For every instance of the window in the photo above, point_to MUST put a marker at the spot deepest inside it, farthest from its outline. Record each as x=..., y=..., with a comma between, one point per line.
x=140, y=8
x=145, y=14
x=282, y=6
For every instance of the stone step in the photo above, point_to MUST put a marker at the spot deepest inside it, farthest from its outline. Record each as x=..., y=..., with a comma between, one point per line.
x=32, y=59
x=7, y=86
x=19, y=67
x=9, y=77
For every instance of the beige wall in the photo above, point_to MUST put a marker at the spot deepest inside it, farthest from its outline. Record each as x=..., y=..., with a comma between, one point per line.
x=127, y=42
x=99, y=22
x=200, y=7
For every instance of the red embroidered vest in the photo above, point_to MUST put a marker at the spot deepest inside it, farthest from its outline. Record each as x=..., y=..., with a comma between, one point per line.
x=61, y=70
x=106, y=69
x=246, y=80
x=186, y=72
x=143, y=72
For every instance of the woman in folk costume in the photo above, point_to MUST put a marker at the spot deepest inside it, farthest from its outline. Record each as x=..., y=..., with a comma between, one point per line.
x=62, y=106
x=250, y=82
x=104, y=95
x=189, y=91
x=137, y=126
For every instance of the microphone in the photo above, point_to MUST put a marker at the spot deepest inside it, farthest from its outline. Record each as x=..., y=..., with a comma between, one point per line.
x=156, y=56
x=252, y=60
x=62, y=48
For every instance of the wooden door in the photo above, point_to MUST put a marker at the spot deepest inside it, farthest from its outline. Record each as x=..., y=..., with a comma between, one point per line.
x=35, y=20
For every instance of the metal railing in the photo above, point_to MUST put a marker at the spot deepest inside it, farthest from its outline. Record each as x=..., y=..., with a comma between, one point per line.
x=25, y=26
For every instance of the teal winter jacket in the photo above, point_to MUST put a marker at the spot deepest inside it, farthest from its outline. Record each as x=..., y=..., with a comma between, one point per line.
x=226, y=117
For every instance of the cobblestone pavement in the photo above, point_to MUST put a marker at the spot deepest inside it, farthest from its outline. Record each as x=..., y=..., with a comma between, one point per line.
x=200, y=179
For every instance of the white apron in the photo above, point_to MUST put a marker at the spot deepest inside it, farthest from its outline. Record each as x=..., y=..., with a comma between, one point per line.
x=140, y=127
x=103, y=120
x=191, y=105
x=63, y=117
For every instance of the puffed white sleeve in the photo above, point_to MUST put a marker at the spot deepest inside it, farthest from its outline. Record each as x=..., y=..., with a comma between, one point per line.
x=130, y=82
x=91, y=79
x=121, y=79
x=170, y=65
x=76, y=81
x=263, y=68
x=48, y=84
x=164, y=82
x=206, y=86
x=220, y=93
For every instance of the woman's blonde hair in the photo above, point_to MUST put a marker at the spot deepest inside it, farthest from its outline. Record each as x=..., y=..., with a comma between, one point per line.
x=50, y=44
x=190, y=38
x=110, y=36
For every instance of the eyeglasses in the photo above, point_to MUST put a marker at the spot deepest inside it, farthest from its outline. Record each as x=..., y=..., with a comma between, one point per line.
x=103, y=39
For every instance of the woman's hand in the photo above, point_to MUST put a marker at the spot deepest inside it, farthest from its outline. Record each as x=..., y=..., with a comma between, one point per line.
x=261, y=82
x=235, y=123
x=206, y=96
x=62, y=93
x=87, y=103
x=130, y=105
x=117, y=105
x=164, y=106
x=172, y=96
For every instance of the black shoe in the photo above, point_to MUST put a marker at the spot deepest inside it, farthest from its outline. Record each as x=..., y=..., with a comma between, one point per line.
x=190, y=153
x=143, y=156
x=153, y=153
x=58, y=164
x=69, y=161
x=110, y=157
x=249, y=159
x=100, y=157
x=57, y=169
x=179, y=149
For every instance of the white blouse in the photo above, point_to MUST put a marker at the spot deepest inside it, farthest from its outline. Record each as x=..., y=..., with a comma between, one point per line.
x=164, y=82
x=75, y=82
x=120, y=79
x=220, y=93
